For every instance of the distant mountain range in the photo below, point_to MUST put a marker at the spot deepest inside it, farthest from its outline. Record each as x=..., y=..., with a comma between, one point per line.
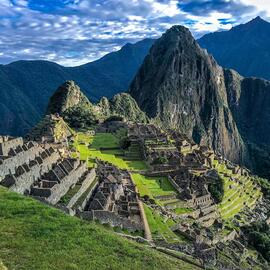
x=244, y=48
x=25, y=86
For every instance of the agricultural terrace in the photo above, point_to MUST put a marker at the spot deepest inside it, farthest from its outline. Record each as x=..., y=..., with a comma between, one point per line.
x=161, y=227
x=239, y=191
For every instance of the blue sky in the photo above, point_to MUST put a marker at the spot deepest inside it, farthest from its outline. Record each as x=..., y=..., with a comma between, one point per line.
x=73, y=32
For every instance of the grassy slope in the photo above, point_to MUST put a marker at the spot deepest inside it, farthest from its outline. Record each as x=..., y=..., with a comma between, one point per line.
x=153, y=186
x=35, y=236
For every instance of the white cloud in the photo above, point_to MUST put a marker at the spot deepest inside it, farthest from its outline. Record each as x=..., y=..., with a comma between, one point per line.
x=261, y=6
x=211, y=23
x=86, y=30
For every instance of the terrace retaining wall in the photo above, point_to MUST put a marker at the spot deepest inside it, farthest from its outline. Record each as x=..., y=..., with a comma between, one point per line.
x=85, y=185
x=107, y=217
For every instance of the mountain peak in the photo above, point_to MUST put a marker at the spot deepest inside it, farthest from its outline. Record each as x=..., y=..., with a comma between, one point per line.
x=258, y=20
x=66, y=96
x=178, y=30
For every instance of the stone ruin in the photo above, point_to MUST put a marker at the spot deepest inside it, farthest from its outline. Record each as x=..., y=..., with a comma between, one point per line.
x=193, y=189
x=186, y=166
x=39, y=170
x=115, y=200
x=55, y=183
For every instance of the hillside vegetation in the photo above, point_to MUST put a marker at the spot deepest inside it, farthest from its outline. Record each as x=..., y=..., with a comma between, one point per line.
x=27, y=85
x=35, y=236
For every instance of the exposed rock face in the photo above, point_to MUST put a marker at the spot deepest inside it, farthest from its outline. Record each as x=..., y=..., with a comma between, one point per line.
x=69, y=101
x=183, y=87
x=67, y=96
x=249, y=100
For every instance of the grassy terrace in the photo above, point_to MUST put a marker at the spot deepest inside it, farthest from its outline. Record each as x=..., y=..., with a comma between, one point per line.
x=160, y=228
x=238, y=195
x=89, y=148
x=34, y=236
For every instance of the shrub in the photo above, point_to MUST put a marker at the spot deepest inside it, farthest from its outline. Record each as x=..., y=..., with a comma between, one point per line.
x=258, y=235
x=160, y=160
x=217, y=190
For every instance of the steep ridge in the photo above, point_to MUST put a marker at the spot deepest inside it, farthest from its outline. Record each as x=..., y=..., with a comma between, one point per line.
x=67, y=96
x=245, y=48
x=27, y=85
x=183, y=87
x=249, y=100
x=69, y=102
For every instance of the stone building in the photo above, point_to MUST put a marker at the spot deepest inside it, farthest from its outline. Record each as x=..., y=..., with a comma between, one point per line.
x=115, y=200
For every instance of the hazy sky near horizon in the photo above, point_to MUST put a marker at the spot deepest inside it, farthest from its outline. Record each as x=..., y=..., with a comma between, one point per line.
x=73, y=32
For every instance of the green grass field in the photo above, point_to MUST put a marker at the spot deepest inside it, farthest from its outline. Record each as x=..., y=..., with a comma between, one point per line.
x=160, y=228
x=89, y=148
x=34, y=236
x=153, y=186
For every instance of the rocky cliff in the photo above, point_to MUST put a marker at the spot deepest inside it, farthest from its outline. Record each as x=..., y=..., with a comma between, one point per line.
x=65, y=97
x=182, y=86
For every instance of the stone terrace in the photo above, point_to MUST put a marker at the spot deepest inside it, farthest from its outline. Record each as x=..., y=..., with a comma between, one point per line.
x=27, y=173
x=52, y=185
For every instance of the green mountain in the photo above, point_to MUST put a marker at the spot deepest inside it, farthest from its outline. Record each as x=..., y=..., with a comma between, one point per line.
x=69, y=102
x=183, y=87
x=27, y=85
x=245, y=48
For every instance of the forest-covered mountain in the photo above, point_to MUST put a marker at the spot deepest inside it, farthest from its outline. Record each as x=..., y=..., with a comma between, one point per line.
x=27, y=85
x=245, y=48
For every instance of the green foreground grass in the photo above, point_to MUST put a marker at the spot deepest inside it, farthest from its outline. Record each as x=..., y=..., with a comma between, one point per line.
x=35, y=236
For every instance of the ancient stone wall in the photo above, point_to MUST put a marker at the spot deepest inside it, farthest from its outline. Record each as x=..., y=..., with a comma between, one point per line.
x=174, y=184
x=5, y=146
x=90, y=178
x=23, y=182
x=62, y=188
x=8, y=165
x=107, y=217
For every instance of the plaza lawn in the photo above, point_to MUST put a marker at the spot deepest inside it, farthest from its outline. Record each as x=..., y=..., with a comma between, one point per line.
x=34, y=236
x=90, y=147
x=180, y=211
x=153, y=186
